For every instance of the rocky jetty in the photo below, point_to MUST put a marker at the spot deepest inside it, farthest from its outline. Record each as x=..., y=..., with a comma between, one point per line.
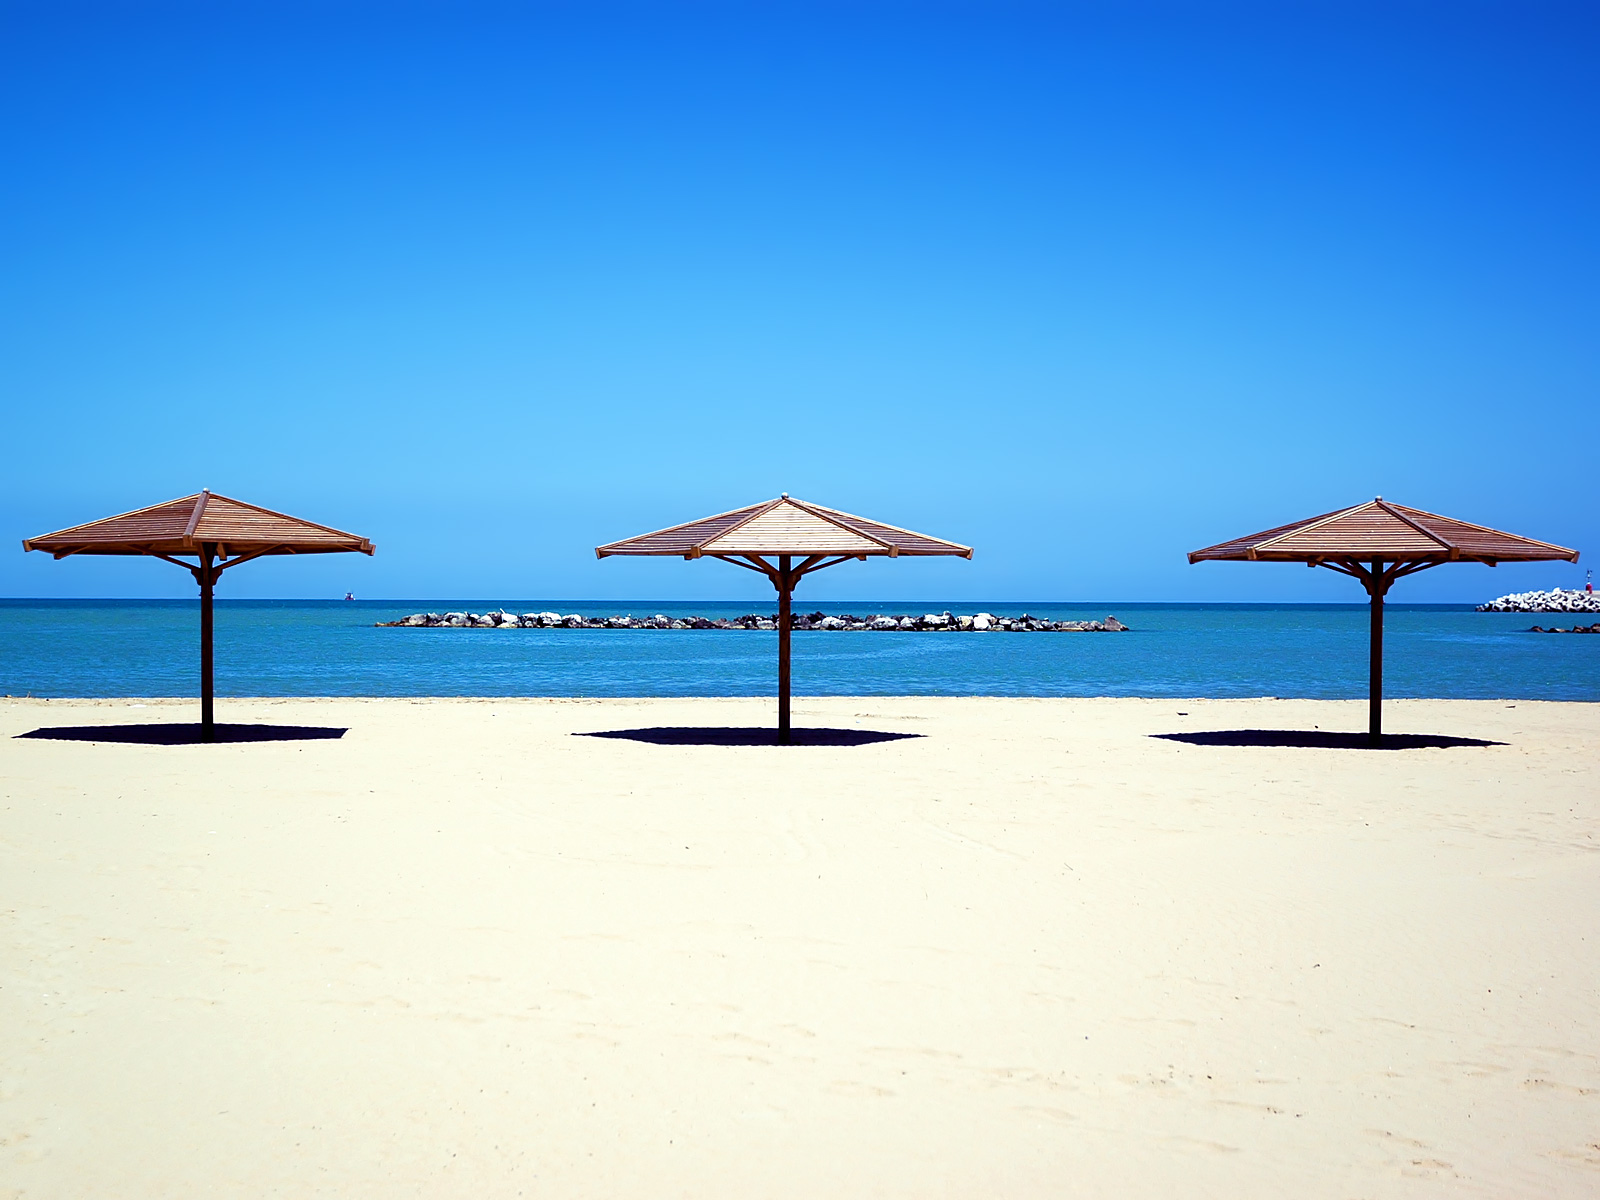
x=944, y=622
x=1562, y=600
x=1595, y=628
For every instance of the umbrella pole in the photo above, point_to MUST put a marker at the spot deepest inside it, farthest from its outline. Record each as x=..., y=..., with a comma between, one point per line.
x=207, y=729
x=1375, y=673
x=785, y=587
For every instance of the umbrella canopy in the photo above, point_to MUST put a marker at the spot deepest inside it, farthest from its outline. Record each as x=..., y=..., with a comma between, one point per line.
x=217, y=532
x=1377, y=543
x=769, y=537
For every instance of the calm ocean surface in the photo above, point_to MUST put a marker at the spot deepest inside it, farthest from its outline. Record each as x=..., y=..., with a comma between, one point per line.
x=331, y=648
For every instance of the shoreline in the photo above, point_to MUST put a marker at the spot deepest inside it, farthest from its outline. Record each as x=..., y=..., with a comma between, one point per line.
x=750, y=698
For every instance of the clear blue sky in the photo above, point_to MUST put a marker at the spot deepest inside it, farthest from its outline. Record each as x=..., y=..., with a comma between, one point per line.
x=1086, y=286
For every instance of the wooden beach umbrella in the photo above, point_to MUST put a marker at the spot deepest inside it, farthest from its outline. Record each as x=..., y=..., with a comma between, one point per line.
x=1377, y=543
x=217, y=533
x=770, y=537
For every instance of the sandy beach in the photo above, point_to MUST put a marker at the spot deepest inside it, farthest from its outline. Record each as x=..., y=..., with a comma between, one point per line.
x=1026, y=949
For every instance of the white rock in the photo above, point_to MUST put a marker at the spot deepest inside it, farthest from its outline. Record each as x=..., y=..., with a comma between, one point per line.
x=1555, y=600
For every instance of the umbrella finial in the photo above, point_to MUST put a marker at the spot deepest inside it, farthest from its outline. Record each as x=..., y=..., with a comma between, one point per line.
x=785, y=496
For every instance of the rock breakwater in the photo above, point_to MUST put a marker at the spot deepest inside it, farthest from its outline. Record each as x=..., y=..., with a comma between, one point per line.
x=944, y=622
x=1563, y=600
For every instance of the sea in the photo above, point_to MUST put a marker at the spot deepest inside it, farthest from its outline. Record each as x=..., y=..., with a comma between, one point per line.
x=95, y=648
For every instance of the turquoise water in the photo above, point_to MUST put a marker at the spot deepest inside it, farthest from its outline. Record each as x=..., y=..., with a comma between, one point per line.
x=331, y=648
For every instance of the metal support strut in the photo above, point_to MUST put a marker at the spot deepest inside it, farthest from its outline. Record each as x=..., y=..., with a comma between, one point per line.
x=785, y=585
x=207, y=577
x=1377, y=585
x=784, y=576
x=1377, y=580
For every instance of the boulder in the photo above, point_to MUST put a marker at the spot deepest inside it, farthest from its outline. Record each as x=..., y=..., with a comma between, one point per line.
x=982, y=623
x=1115, y=626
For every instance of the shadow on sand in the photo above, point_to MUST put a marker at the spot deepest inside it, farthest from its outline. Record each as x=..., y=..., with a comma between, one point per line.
x=173, y=733
x=1322, y=739
x=748, y=735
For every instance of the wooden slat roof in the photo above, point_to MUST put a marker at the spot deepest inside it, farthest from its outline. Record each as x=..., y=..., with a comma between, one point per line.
x=1382, y=530
x=184, y=525
x=784, y=526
